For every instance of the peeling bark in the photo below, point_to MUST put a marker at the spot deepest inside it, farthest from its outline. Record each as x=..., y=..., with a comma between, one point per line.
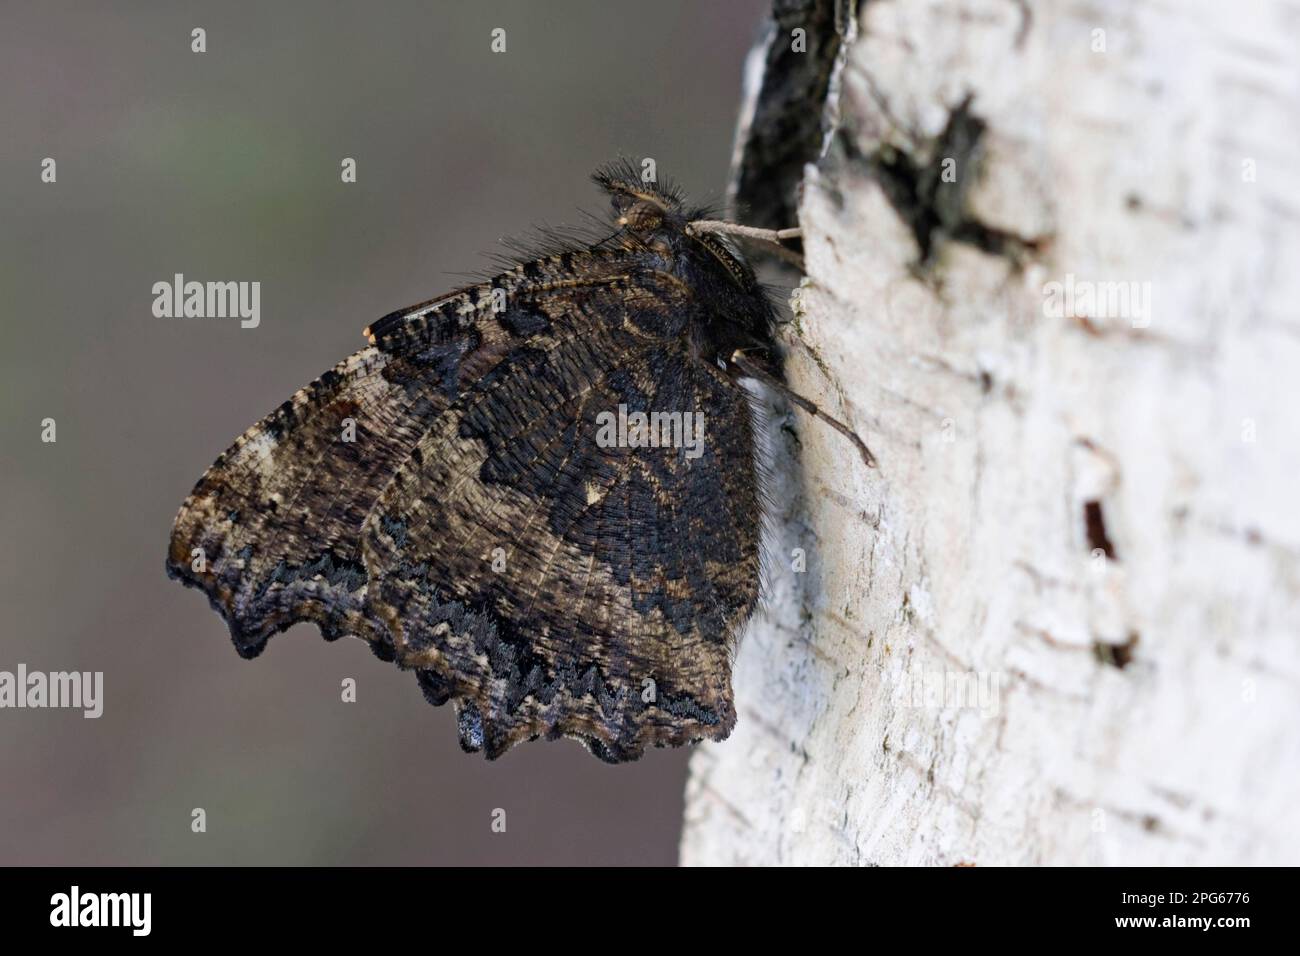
x=1058, y=625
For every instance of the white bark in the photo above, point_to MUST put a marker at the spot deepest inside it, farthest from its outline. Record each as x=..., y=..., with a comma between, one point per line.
x=967, y=554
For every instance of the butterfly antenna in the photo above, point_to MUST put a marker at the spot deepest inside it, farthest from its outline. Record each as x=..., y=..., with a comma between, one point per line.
x=749, y=232
x=772, y=238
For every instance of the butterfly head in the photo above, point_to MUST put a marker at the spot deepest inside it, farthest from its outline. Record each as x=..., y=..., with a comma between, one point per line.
x=652, y=215
x=641, y=204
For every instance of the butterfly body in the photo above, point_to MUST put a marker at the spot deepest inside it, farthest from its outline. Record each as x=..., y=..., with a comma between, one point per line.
x=446, y=495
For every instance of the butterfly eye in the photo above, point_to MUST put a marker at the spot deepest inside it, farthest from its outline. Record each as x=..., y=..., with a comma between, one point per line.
x=620, y=202
x=642, y=217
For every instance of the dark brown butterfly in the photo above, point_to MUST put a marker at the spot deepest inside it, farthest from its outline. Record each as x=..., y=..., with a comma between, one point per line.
x=454, y=495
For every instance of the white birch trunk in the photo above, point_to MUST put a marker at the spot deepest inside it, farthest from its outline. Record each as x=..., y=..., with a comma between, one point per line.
x=1142, y=708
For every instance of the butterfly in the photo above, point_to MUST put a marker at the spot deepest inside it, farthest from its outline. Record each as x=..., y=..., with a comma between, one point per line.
x=540, y=494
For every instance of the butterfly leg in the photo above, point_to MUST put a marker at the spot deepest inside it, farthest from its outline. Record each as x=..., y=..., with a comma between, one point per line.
x=752, y=369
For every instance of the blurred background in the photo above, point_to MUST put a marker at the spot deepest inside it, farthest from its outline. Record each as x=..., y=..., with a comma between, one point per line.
x=225, y=166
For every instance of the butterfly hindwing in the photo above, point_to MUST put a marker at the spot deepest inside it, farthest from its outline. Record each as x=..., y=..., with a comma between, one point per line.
x=555, y=586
